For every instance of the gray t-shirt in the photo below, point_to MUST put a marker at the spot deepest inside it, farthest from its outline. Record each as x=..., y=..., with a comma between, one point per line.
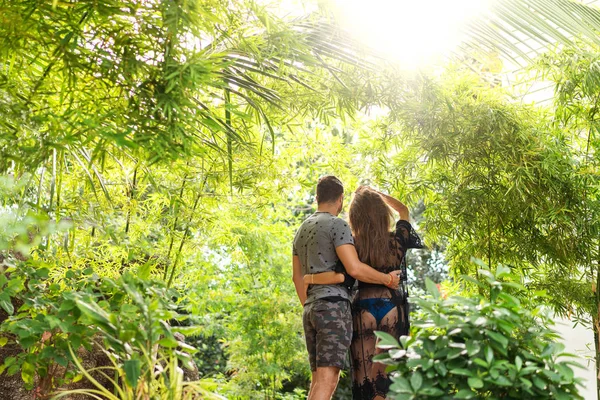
x=315, y=245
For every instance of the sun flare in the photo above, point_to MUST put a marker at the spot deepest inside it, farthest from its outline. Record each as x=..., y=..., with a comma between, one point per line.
x=412, y=33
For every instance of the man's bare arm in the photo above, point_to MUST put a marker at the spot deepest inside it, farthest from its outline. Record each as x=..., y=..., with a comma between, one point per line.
x=324, y=278
x=297, y=278
x=362, y=272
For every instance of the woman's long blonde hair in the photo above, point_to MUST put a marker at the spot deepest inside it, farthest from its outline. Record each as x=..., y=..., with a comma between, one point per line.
x=370, y=219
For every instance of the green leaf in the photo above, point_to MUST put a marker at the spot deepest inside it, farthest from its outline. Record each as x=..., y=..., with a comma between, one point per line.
x=502, y=271
x=143, y=271
x=397, y=353
x=406, y=341
x=9, y=361
x=526, y=382
x=435, y=392
x=67, y=305
x=27, y=342
x=502, y=381
x=27, y=373
x=381, y=357
x=53, y=321
x=564, y=396
x=472, y=280
x=416, y=380
x=95, y=313
x=489, y=354
x=553, y=376
x=464, y=394
x=461, y=371
x=472, y=347
x=505, y=326
x=432, y=289
x=511, y=300
x=188, y=330
x=417, y=362
x=539, y=383
x=475, y=383
x=455, y=353
x=132, y=371
x=168, y=342
x=518, y=363
x=386, y=341
x=400, y=385
x=15, y=286
x=43, y=273
x=513, y=285
x=441, y=368
x=62, y=361
x=6, y=304
x=481, y=363
x=501, y=339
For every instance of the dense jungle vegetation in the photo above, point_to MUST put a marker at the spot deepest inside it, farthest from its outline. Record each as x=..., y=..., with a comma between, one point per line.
x=156, y=158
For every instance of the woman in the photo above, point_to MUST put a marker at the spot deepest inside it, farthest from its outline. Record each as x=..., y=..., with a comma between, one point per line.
x=375, y=307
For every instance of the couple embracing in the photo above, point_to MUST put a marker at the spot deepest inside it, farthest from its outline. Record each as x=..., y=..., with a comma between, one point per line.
x=329, y=254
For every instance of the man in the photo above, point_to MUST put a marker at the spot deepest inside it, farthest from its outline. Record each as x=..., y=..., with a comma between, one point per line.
x=321, y=242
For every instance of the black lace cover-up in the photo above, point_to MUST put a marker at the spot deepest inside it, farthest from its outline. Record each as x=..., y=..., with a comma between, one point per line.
x=378, y=308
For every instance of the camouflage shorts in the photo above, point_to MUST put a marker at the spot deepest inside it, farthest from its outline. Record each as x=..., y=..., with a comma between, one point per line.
x=328, y=331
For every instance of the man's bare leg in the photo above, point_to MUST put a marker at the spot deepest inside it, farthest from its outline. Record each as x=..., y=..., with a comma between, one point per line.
x=313, y=379
x=324, y=382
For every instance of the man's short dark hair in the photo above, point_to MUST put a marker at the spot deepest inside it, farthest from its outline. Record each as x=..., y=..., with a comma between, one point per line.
x=329, y=189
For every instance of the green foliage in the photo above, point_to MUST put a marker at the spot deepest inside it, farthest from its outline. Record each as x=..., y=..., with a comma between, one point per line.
x=210, y=359
x=427, y=262
x=493, y=161
x=45, y=323
x=539, y=23
x=179, y=142
x=157, y=80
x=250, y=302
x=232, y=271
x=502, y=181
x=156, y=132
x=132, y=318
x=495, y=347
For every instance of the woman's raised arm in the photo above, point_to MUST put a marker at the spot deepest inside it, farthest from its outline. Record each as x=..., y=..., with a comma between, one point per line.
x=396, y=205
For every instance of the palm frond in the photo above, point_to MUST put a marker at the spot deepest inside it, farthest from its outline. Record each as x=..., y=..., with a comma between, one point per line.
x=520, y=29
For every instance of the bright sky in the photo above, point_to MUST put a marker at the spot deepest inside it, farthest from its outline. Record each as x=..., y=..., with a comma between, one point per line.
x=413, y=32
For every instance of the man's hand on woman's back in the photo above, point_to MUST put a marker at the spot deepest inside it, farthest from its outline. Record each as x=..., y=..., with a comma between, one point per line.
x=361, y=271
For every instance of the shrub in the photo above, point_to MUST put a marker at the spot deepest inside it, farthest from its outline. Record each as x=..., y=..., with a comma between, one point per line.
x=488, y=347
x=131, y=316
x=41, y=319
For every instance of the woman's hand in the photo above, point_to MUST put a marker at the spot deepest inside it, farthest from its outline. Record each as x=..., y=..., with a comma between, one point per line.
x=395, y=279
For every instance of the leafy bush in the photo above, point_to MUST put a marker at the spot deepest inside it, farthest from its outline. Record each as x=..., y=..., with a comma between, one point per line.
x=479, y=347
x=43, y=326
x=127, y=317
x=131, y=315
